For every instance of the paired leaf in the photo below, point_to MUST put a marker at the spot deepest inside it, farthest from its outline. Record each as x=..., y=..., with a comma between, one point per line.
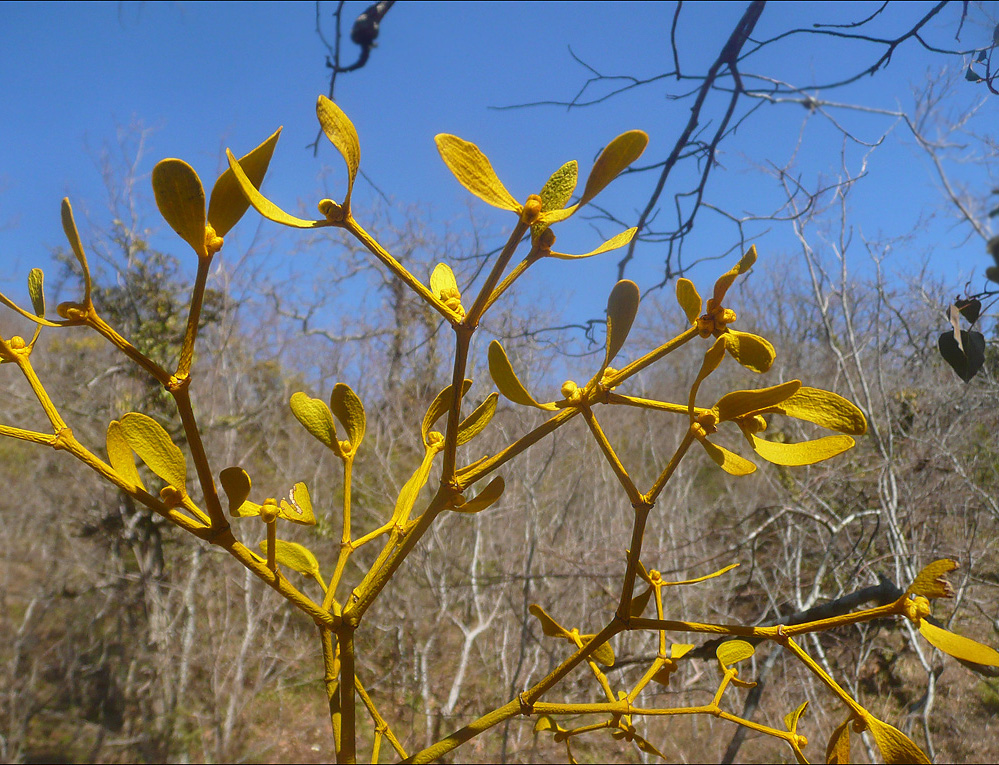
x=615, y=157
x=622, y=307
x=73, y=236
x=549, y=626
x=689, y=299
x=228, y=203
x=442, y=279
x=958, y=646
x=348, y=408
x=603, y=653
x=742, y=402
x=640, y=602
x=152, y=443
x=180, y=198
x=726, y=279
x=342, y=134
x=485, y=498
x=931, y=582
x=473, y=170
x=728, y=461
x=440, y=405
x=896, y=748
x=803, y=453
x=507, y=381
x=791, y=721
x=752, y=351
x=236, y=485
x=619, y=240
x=824, y=408
x=299, y=509
x=262, y=204
x=120, y=455
x=557, y=192
x=838, y=749
x=476, y=422
x=36, y=290
x=295, y=556
x=316, y=418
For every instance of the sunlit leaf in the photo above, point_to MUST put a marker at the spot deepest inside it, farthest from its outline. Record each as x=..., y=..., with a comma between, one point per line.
x=932, y=582
x=476, y=422
x=152, y=443
x=316, y=418
x=228, y=203
x=647, y=747
x=603, y=654
x=342, y=134
x=958, y=646
x=548, y=625
x=180, y=198
x=704, y=578
x=120, y=455
x=295, y=556
x=411, y=489
x=826, y=409
x=348, y=408
x=557, y=192
x=622, y=307
x=619, y=240
x=615, y=157
x=543, y=723
x=442, y=280
x=791, y=721
x=485, y=498
x=689, y=299
x=725, y=280
x=299, y=509
x=440, y=405
x=896, y=748
x=740, y=402
x=640, y=602
x=263, y=205
x=507, y=381
x=802, y=453
x=733, y=651
x=474, y=171
x=728, y=461
x=712, y=358
x=752, y=351
x=236, y=485
x=73, y=236
x=838, y=749
x=36, y=290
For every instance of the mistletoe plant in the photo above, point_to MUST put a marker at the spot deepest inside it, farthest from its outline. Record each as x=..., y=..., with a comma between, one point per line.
x=337, y=604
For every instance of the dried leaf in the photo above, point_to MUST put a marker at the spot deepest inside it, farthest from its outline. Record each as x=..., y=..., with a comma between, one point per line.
x=931, y=582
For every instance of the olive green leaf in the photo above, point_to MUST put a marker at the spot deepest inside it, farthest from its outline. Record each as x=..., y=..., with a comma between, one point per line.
x=73, y=236
x=295, y=556
x=689, y=299
x=473, y=170
x=622, y=307
x=931, y=582
x=838, y=748
x=120, y=455
x=616, y=241
x=236, y=485
x=342, y=134
x=615, y=157
x=180, y=198
x=549, y=626
x=439, y=407
x=299, y=509
x=507, y=381
x=556, y=192
x=484, y=499
x=228, y=203
x=152, y=443
x=896, y=748
x=316, y=418
x=36, y=290
x=476, y=422
x=350, y=411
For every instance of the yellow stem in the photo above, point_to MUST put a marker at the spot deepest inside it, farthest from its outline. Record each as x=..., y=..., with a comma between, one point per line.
x=345, y=639
x=182, y=397
x=331, y=669
x=605, y=446
x=660, y=484
x=482, y=300
x=108, y=333
x=381, y=727
x=463, y=336
x=272, y=545
x=193, y=317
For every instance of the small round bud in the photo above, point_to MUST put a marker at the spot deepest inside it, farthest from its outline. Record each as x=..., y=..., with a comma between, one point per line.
x=532, y=210
x=569, y=388
x=434, y=438
x=546, y=240
x=269, y=510
x=331, y=210
x=17, y=343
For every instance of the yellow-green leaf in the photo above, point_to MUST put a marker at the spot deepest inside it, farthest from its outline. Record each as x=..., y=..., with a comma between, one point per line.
x=120, y=455
x=647, y=747
x=740, y=402
x=228, y=203
x=826, y=409
x=180, y=198
x=838, y=748
x=932, y=582
x=548, y=625
x=896, y=748
x=557, y=192
x=802, y=453
x=752, y=351
x=689, y=299
x=712, y=358
x=640, y=602
x=152, y=443
x=615, y=157
x=348, y=408
x=36, y=290
x=791, y=718
x=342, y=134
x=619, y=240
x=622, y=307
x=958, y=646
x=733, y=651
x=263, y=205
x=725, y=280
x=507, y=381
x=295, y=556
x=476, y=422
x=442, y=279
x=473, y=171
x=316, y=418
x=485, y=498
x=440, y=405
x=236, y=485
x=299, y=509
x=602, y=653
x=73, y=236
x=728, y=461
x=544, y=723
x=411, y=489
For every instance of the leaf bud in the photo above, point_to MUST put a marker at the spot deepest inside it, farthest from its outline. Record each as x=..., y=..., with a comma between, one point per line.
x=269, y=510
x=330, y=210
x=532, y=210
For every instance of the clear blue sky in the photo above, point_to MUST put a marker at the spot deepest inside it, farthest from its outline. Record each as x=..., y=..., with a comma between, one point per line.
x=211, y=75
